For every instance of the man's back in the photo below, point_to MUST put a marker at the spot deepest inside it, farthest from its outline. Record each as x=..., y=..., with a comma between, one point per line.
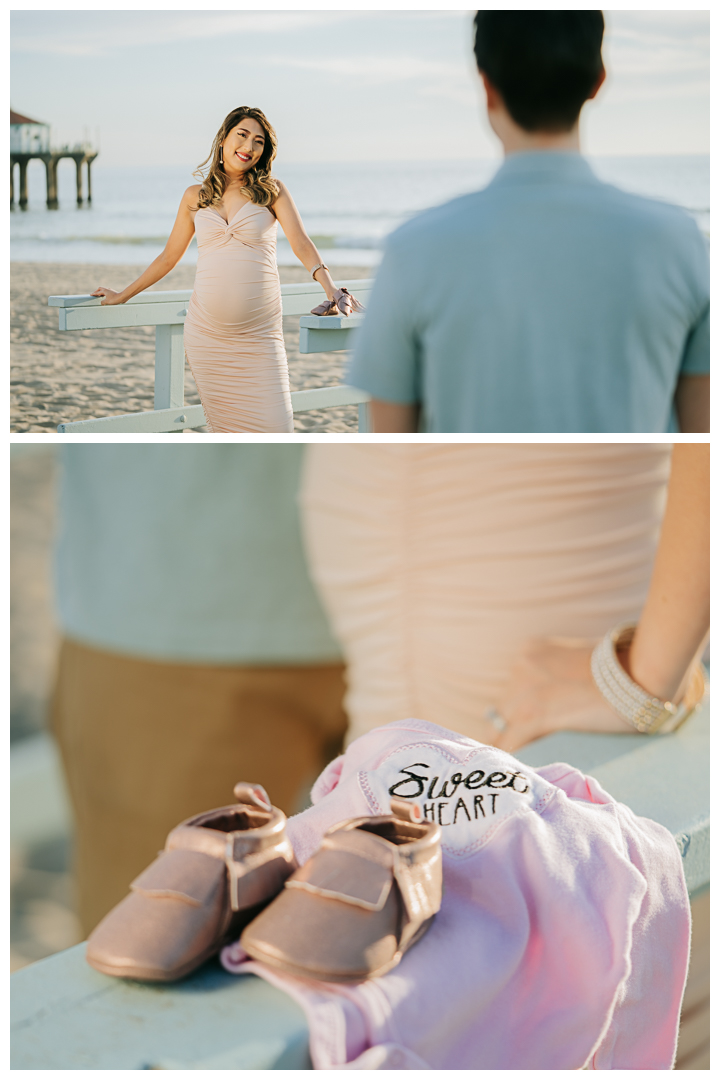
x=547, y=302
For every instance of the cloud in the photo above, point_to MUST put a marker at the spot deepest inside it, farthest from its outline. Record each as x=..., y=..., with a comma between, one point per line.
x=664, y=43
x=100, y=33
x=435, y=79
x=656, y=56
x=632, y=58
x=420, y=60
x=369, y=68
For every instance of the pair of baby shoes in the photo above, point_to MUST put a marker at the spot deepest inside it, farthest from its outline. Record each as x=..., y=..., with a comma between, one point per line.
x=342, y=303
x=350, y=913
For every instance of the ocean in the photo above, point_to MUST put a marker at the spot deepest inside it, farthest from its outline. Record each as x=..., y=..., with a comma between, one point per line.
x=348, y=209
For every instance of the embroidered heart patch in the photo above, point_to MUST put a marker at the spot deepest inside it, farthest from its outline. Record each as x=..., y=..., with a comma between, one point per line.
x=468, y=794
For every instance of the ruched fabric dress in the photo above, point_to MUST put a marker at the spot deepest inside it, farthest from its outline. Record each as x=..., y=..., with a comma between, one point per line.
x=436, y=563
x=233, y=330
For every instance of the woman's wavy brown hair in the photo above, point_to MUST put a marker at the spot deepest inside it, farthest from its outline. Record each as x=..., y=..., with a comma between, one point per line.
x=260, y=186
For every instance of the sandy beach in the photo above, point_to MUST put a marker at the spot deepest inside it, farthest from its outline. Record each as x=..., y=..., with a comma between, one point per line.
x=58, y=377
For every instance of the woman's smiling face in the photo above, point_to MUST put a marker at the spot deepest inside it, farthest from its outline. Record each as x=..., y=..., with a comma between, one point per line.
x=243, y=147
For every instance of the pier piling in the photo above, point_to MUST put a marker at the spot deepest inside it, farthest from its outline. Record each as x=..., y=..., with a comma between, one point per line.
x=51, y=184
x=80, y=155
x=30, y=139
x=23, y=185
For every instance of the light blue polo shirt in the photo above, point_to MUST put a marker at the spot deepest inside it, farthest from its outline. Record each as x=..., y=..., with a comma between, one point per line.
x=549, y=301
x=187, y=553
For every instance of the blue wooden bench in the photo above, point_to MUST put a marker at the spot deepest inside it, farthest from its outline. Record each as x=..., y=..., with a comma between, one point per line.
x=65, y=1015
x=166, y=311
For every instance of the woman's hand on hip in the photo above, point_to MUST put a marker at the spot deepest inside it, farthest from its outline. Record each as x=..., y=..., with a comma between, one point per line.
x=109, y=297
x=551, y=688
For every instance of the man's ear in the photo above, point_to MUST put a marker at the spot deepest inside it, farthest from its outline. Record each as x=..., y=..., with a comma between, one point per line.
x=598, y=84
x=494, y=99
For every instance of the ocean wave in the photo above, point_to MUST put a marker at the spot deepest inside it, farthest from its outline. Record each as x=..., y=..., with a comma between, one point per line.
x=43, y=238
x=360, y=243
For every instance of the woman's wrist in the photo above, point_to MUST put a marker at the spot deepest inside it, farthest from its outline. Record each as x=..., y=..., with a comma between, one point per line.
x=667, y=684
x=322, y=276
x=645, y=706
x=673, y=626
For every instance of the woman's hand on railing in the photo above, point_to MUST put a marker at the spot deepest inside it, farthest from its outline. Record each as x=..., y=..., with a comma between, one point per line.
x=109, y=296
x=551, y=688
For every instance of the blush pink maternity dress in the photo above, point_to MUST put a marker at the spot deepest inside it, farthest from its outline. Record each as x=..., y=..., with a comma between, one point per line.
x=436, y=563
x=233, y=331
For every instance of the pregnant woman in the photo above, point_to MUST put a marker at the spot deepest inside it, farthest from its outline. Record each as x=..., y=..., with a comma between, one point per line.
x=469, y=584
x=233, y=331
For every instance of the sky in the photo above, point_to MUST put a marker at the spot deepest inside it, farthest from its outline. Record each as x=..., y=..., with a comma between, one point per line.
x=344, y=86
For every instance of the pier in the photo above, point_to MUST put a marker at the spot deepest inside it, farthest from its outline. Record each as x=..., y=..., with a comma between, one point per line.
x=30, y=139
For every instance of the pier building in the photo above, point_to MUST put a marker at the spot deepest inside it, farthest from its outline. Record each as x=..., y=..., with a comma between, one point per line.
x=31, y=139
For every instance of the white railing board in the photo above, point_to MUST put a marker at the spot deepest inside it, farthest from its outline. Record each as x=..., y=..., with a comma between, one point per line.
x=300, y=288
x=66, y=1015
x=646, y=775
x=332, y=322
x=162, y=296
x=325, y=340
x=192, y=416
x=157, y=420
x=166, y=311
x=327, y=397
x=328, y=333
x=297, y=299
x=103, y=318
x=663, y=777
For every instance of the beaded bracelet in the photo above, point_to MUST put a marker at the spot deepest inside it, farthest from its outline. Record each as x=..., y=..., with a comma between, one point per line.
x=647, y=714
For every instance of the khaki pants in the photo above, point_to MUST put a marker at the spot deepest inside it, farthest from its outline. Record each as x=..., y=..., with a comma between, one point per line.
x=147, y=744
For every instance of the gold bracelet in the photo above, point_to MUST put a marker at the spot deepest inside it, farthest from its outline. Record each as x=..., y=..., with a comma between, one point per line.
x=647, y=714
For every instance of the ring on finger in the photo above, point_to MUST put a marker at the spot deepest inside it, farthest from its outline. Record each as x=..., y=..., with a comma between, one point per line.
x=497, y=721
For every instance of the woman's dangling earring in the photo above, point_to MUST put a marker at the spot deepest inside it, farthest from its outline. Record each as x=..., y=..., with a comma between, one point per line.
x=221, y=157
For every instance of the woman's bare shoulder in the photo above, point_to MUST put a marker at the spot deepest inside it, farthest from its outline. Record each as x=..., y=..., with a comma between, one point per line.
x=190, y=196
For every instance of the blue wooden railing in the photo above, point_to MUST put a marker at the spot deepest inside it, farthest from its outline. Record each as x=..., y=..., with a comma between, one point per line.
x=65, y=1015
x=166, y=311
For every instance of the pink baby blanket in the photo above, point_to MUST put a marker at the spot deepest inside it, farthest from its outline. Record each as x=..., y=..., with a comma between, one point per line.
x=564, y=933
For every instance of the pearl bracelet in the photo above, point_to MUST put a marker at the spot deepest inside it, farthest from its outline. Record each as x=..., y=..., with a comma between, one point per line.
x=647, y=714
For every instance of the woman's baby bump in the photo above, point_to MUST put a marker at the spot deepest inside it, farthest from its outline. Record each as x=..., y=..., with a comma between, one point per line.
x=239, y=294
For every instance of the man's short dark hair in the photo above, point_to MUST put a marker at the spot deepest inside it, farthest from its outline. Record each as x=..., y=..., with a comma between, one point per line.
x=545, y=64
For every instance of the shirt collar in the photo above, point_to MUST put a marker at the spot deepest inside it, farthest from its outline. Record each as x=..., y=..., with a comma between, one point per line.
x=551, y=166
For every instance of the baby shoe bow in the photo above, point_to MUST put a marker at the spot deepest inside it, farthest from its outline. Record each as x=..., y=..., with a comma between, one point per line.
x=356, y=906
